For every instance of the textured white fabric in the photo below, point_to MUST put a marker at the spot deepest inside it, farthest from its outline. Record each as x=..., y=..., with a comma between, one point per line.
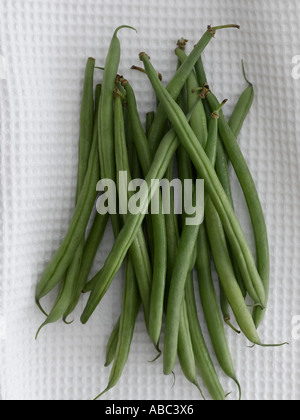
x=45, y=44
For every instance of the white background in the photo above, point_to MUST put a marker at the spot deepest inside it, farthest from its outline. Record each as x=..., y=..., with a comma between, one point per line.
x=45, y=45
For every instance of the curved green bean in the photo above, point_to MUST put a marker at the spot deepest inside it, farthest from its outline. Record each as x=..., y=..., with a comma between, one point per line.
x=182, y=266
x=149, y=121
x=138, y=250
x=105, y=120
x=226, y=274
x=185, y=349
x=176, y=84
x=242, y=107
x=85, y=255
x=233, y=228
x=209, y=302
x=250, y=191
x=112, y=344
x=60, y=262
x=66, y=293
x=130, y=308
x=90, y=250
x=158, y=223
x=202, y=357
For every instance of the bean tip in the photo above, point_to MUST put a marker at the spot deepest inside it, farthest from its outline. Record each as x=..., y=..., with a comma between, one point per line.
x=143, y=54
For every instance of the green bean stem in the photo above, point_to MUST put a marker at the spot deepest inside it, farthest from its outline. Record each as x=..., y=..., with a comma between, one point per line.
x=176, y=84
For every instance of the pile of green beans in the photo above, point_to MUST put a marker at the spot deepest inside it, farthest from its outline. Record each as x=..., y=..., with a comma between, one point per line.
x=169, y=265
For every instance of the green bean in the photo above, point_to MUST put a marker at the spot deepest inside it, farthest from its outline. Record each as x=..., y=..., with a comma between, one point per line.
x=202, y=357
x=242, y=108
x=149, y=121
x=225, y=308
x=86, y=124
x=198, y=121
x=173, y=234
x=233, y=228
x=176, y=84
x=105, y=120
x=81, y=265
x=248, y=185
x=210, y=306
x=222, y=171
x=182, y=266
x=130, y=308
x=135, y=169
x=185, y=346
x=185, y=349
x=90, y=250
x=112, y=344
x=226, y=274
x=66, y=292
x=138, y=250
x=199, y=349
x=60, y=262
x=235, y=123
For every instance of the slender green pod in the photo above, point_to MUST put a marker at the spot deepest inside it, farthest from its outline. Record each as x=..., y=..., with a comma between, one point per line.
x=87, y=117
x=226, y=274
x=250, y=191
x=185, y=349
x=242, y=107
x=176, y=84
x=210, y=305
x=130, y=308
x=202, y=357
x=222, y=171
x=69, y=284
x=149, y=121
x=202, y=164
x=105, y=119
x=60, y=262
x=90, y=250
x=112, y=344
x=183, y=264
x=81, y=265
x=138, y=250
